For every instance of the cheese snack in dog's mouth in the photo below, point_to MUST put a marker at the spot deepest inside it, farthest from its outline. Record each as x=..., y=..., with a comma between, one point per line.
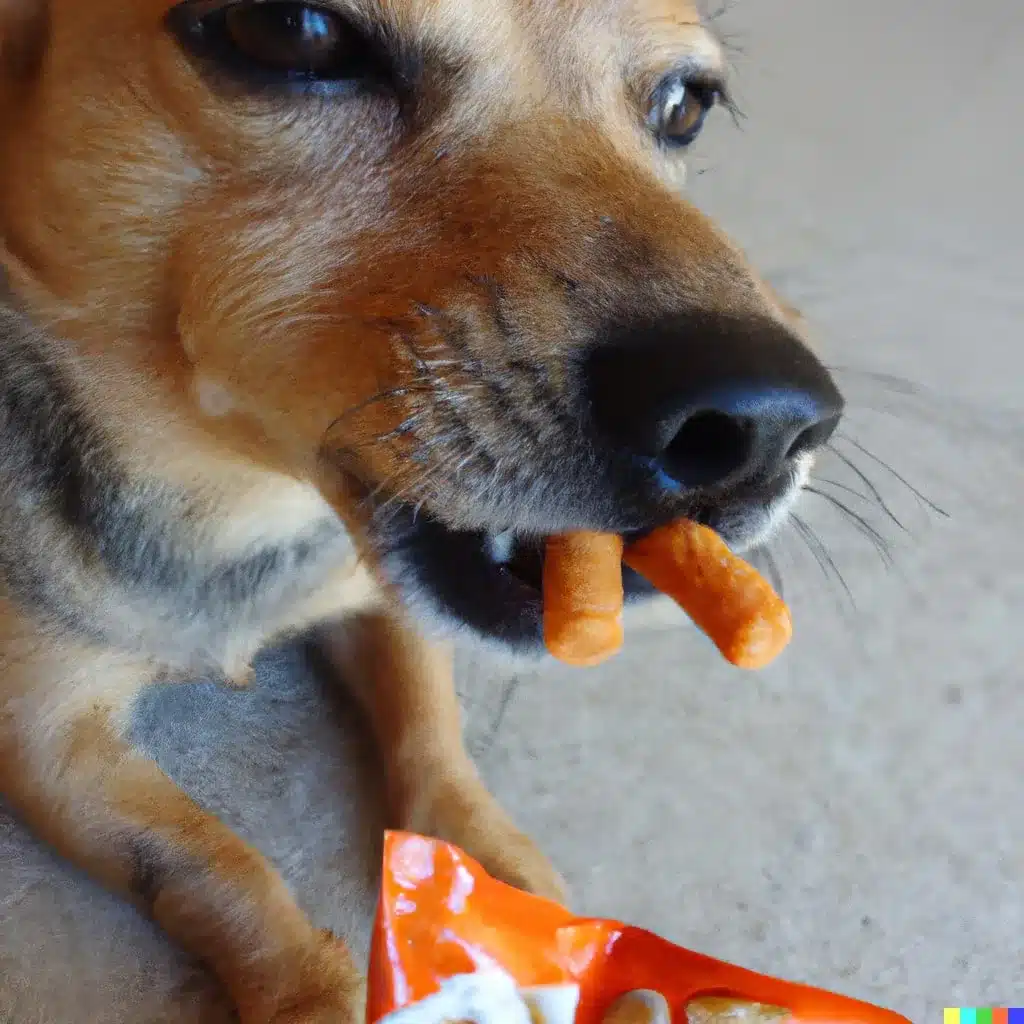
x=724, y=595
x=583, y=597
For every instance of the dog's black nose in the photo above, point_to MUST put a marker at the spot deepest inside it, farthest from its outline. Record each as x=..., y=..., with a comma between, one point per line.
x=711, y=399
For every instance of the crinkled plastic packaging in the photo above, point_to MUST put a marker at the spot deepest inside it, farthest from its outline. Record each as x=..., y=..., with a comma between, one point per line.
x=445, y=930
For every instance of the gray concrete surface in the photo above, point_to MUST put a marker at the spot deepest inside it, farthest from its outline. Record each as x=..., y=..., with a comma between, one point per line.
x=852, y=817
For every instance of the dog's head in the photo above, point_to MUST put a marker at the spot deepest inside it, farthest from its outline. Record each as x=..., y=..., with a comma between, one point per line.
x=436, y=245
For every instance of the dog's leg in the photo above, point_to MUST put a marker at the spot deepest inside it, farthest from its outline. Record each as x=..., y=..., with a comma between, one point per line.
x=407, y=688
x=67, y=771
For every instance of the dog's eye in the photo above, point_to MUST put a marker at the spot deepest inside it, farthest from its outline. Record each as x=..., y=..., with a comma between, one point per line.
x=276, y=40
x=679, y=109
x=290, y=38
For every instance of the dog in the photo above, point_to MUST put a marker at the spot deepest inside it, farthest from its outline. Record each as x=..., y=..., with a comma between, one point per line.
x=322, y=317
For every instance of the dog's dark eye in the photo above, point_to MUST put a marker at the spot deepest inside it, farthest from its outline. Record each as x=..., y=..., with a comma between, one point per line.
x=290, y=38
x=679, y=109
x=276, y=40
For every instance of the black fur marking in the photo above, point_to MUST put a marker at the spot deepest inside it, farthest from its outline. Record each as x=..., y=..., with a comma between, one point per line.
x=57, y=466
x=147, y=877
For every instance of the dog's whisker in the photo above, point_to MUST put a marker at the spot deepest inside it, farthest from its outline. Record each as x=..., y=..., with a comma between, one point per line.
x=407, y=339
x=400, y=391
x=894, y=473
x=403, y=429
x=424, y=309
x=868, y=483
x=888, y=394
x=431, y=384
x=842, y=487
x=775, y=572
x=448, y=469
x=415, y=486
x=821, y=555
x=771, y=565
x=434, y=364
x=397, y=490
x=863, y=526
x=889, y=382
x=397, y=484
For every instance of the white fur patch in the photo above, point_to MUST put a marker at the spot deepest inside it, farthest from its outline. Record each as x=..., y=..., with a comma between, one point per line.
x=781, y=507
x=214, y=399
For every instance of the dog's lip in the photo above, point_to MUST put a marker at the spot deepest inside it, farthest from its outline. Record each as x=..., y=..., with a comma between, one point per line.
x=456, y=572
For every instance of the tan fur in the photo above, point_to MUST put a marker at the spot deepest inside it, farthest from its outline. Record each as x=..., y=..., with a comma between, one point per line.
x=230, y=278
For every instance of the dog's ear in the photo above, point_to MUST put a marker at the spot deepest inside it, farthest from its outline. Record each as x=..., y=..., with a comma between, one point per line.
x=23, y=31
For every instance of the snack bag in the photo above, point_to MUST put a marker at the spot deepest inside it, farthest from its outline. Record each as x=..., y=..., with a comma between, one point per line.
x=452, y=944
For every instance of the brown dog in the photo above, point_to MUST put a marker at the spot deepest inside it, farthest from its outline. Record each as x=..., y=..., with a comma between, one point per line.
x=326, y=315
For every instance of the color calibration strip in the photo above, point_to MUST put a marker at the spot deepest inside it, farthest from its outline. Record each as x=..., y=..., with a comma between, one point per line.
x=976, y=1015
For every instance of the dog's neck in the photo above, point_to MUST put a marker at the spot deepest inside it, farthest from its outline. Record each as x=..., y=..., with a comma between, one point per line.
x=202, y=556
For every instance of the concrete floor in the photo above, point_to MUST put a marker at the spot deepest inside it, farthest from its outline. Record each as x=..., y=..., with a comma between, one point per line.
x=852, y=817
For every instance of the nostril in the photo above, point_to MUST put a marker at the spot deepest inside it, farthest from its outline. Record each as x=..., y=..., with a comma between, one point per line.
x=709, y=447
x=805, y=442
x=813, y=436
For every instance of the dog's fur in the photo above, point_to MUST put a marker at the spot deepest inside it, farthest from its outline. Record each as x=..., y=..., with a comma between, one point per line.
x=244, y=331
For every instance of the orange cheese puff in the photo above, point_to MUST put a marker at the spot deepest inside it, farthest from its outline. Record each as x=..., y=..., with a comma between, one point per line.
x=583, y=597
x=727, y=598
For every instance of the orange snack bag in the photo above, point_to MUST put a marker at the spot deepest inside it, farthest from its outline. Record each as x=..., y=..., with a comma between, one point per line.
x=725, y=596
x=583, y=597
x=441, y=917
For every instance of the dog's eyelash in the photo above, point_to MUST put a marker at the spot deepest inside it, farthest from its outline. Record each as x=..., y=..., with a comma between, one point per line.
x=727, y=101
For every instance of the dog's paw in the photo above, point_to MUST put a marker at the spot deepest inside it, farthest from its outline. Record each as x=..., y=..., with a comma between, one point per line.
x=514, y=858
x=326, y=989
x=461, y=811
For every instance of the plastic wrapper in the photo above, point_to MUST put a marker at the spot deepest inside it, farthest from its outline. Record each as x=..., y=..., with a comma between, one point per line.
x=452, y=944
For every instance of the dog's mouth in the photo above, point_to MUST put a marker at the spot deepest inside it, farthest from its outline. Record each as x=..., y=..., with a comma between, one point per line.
x=487, y=583
x=490, y=583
